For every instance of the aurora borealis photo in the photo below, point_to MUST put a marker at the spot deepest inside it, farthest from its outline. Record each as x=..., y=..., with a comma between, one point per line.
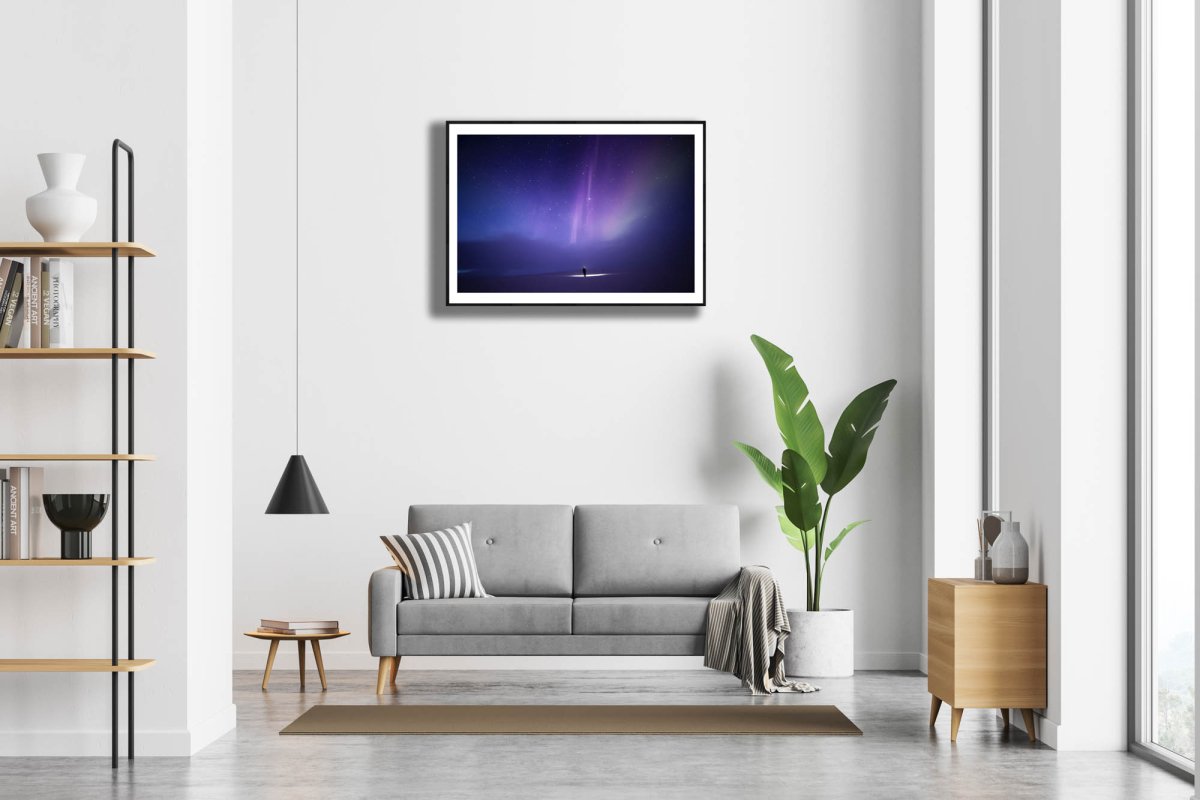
x=587, y=213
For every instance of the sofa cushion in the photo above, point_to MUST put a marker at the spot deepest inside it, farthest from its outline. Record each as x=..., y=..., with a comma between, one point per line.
x=654, y=550
x=519, y=550
x=639, y=615
x=485, y=615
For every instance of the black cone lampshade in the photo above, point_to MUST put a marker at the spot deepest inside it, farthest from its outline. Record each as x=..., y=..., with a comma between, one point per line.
x=297, y=491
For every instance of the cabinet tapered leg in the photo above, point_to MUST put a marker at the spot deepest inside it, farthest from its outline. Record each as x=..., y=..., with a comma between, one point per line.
x=1004, y=713
x=385, y=669
x=935, y=705
x=955, y=719
x=320, y=663
x=300, y=650
x=1027, y=715
x=270, y=662
x=395, y=669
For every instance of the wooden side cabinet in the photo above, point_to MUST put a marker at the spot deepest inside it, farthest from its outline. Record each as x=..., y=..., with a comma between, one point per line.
x=987, y=648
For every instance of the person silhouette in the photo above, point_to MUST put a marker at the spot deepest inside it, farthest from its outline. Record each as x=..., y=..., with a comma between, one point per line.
x=585, y=272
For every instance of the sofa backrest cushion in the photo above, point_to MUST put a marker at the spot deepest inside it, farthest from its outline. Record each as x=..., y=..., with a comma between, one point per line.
x=655, y=550
x=521, y=551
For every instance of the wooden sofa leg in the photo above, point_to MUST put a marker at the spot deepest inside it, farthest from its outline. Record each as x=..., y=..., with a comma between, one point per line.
x=387, y=665
x=395, y=669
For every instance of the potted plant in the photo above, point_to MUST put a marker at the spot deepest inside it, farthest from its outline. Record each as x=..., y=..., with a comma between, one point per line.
x=822, y=640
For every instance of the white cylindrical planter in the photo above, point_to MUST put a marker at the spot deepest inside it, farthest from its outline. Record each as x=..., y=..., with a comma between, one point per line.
x=821, y=644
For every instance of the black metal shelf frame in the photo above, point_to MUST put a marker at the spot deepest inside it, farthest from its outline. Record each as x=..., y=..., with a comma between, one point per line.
x=117, y=147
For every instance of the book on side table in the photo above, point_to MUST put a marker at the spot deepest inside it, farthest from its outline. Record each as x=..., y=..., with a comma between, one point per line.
x=306, y=627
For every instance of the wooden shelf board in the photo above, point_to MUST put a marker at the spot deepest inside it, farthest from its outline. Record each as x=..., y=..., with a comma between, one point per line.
x=54, y=353
x=74, y=664
x=74, y=249
x=125, y=561
x=10, y=458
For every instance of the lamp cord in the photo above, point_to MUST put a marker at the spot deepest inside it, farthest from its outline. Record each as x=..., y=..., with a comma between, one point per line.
x=297, y=227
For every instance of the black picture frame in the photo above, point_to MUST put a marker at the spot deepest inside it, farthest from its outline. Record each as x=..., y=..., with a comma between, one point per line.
x=698, y=297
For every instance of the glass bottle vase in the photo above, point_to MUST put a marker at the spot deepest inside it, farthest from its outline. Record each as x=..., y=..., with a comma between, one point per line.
x=1010, y=555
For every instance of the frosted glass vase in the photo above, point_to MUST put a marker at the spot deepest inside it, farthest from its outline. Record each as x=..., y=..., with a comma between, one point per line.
x=1010, y=555
x=61, y=213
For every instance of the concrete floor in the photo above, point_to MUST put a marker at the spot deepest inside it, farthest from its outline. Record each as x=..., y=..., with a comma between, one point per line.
x=897, y=757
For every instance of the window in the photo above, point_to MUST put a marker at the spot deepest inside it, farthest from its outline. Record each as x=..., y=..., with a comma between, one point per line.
x=1163, y=103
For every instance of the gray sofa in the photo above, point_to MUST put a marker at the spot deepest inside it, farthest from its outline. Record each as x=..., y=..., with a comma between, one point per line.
x=589, y=580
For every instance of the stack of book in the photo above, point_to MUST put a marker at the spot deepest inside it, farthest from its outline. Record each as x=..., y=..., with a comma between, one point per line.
x=37, y=303
x=23, y=534
x=298, y=627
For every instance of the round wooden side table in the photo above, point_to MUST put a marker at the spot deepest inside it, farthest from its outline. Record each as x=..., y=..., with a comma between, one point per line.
x=299, y=639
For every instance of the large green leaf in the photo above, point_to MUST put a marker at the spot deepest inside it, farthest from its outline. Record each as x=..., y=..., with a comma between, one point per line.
x=838, y=539
x=801, y=502
x=795, y=414
x=853, y=435
x=766, y=467
x=801, y=540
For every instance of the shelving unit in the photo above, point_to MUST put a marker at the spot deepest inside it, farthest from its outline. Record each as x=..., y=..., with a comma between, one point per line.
x=127, y=561
x=75, y=665
x=116, y=355
x=74, y=353
x=12, y=458
x=77, y=249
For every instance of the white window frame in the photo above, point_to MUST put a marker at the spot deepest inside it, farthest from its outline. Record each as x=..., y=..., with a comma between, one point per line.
x=1141, y=259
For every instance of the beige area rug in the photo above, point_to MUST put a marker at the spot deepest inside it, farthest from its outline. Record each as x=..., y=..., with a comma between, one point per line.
x=679, y=720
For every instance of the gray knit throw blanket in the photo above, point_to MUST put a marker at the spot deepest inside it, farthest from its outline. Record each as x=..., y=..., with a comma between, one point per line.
x=747, y=628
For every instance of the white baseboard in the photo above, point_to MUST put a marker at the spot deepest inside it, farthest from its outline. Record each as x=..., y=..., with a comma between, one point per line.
x=93, y=743
x=887, y=661
x=211, y=729
x=1048, y=730
x=923, y=663
x=361, y=659
x=170, y=743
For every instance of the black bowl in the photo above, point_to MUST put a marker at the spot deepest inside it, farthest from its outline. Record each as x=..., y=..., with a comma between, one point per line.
x=75, y=512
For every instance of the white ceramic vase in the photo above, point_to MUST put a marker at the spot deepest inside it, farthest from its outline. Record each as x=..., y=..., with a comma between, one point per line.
x=61, y=213
x=821, y=644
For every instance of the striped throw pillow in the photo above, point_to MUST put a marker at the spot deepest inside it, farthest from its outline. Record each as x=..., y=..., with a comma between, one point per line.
x=437, y=565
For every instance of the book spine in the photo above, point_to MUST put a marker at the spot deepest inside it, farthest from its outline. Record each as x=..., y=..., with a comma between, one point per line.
x=41, y=544
x=22, y=319
x=14, y=513
x=8, y=301
x=45, y=282
x=21, y=492
x=55, y=272
x=5, y=550
x=32, y=337
x=18, y=323
x=6, y=274
x=66, y=305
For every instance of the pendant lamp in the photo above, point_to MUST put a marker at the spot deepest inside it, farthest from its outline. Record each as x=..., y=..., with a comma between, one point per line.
x=297, y=491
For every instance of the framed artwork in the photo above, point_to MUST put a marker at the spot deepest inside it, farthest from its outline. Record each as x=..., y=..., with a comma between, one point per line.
x=575, y=213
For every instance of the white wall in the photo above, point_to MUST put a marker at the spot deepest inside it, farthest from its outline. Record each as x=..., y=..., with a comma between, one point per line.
x=952, y=288
x=210, y=366
x=1062, y=347
x=1029, y=479
x=1093, y=384
x=98, y=76
x=814, y=240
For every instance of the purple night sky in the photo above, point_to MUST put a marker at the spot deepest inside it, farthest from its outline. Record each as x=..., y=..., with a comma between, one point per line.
x=535, y=210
